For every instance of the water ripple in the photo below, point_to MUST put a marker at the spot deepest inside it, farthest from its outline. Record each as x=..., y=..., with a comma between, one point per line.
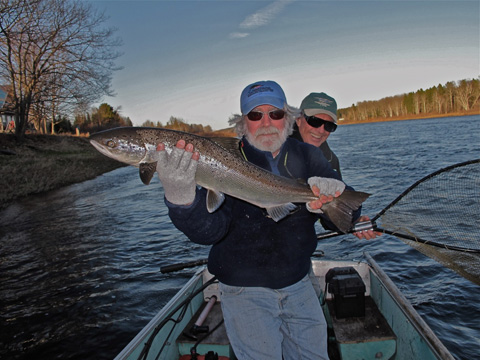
x=79, y=267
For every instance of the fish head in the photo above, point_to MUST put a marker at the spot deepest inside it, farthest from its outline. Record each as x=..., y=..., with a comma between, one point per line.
x=122, y=144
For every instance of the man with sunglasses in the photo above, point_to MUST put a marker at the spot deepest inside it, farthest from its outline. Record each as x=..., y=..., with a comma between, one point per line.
x=270, y=307
x=318, y=119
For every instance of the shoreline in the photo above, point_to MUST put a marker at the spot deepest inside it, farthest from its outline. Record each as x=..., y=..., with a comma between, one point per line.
x=407, y=118
x=47, y=162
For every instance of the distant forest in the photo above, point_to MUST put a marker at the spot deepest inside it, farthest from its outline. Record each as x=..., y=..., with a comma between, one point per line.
x=453, y=98
x=179, y=124
x=106, y=117
x=461, y=97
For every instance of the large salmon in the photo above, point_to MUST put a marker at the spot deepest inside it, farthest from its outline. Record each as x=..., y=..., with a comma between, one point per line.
x=222, y=170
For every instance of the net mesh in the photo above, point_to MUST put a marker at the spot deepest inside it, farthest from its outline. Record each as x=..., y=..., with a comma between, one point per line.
x=442, y=209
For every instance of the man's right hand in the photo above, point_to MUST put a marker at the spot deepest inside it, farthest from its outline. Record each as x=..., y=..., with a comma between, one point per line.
x=325, y=189
x=177, y=171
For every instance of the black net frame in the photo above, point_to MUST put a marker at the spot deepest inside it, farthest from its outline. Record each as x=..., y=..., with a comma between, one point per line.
x=442, y=209
x=439, y=215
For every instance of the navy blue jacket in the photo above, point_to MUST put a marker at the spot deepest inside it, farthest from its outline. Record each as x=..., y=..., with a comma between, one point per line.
x=327, y=152
x=248, y=247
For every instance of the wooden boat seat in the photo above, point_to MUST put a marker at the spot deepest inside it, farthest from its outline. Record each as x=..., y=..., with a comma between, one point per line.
x=217, y=341
x=368, y=337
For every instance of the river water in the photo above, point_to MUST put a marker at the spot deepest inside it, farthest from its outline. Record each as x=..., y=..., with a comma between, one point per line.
x=79, y=267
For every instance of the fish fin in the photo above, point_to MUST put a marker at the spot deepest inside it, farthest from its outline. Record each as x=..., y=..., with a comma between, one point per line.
x=277, y=213
x=146, y=171
x=301, y=181
x=214, y=200
x=231, y=144
x=228, y=143
x=341, y=209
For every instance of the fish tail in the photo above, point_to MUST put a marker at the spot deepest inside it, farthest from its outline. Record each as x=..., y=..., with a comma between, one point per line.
x=341, y=209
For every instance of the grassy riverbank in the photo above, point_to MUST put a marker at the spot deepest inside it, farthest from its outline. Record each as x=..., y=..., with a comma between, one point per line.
x=47, y=162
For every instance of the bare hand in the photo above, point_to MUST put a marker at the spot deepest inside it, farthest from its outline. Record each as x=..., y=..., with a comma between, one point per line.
x=322, y=199
x=181, y=145
x=366, y=234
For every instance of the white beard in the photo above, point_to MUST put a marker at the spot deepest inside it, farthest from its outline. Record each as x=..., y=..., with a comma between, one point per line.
x=271, y=144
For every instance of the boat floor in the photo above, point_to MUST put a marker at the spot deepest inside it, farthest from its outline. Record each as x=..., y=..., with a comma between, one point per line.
x=370, y=328
x=214, y=318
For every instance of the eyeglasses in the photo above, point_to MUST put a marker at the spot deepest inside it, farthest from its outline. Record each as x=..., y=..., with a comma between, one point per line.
x=258, y=115
x=317, y=122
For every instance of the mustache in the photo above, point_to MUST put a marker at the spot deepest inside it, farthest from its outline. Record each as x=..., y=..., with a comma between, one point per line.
x=267, y=131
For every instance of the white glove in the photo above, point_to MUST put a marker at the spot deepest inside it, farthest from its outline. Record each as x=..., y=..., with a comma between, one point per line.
x=177, y=174
x=327, y=186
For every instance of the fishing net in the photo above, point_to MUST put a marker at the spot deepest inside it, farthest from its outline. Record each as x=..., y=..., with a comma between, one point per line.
x=439, y=216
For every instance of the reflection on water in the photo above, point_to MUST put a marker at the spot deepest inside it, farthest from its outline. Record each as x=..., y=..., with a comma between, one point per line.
x=79, y=267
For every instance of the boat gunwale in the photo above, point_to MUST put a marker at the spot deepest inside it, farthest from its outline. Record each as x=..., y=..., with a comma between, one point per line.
x=422, y=328
x=139, y=339
x=424, y=331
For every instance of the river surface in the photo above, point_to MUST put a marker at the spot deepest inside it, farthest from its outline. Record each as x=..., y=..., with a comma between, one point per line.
x=79, y=267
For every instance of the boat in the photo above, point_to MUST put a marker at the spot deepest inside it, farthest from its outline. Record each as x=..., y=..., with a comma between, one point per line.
x=368, y=318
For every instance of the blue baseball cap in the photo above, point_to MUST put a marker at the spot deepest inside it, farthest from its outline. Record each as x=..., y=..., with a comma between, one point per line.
x=262, y=93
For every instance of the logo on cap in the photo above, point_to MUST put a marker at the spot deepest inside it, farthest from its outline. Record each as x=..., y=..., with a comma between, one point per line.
x=323, y=102
x=258, y=88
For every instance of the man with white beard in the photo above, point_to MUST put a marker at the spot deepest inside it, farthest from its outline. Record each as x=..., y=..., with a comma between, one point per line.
x=269, y=304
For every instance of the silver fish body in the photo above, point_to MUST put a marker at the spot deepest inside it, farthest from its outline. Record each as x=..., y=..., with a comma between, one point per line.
x=222, y=170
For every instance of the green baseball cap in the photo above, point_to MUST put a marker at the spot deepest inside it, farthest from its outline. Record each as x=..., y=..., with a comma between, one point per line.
x=319, y=103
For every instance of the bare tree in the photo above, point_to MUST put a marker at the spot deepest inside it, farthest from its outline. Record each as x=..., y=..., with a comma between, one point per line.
x=467, y=93
x=55, y=54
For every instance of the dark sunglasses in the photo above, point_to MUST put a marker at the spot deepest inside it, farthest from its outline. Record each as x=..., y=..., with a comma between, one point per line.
x=317, y=122
x=274, y=115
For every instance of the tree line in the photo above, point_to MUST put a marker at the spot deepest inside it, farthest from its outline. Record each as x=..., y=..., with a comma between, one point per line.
x=106, y=117
x=101, y=118
x=453, y=97
x=56, y=57
x=179, y=124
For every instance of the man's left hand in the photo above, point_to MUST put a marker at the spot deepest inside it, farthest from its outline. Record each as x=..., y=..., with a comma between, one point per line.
x=366, y=234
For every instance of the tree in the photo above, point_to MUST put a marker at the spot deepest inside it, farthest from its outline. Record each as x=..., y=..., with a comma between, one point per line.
x=148, y=123
x=55, y=54
x=105, y=117
x=177, y=124
x=467, y=93
x=106, y=114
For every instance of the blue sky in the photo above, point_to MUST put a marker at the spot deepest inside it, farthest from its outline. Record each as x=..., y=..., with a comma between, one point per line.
x=192, y=59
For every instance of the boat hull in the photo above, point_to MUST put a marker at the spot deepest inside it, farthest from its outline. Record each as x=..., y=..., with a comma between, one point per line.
x=408, y=337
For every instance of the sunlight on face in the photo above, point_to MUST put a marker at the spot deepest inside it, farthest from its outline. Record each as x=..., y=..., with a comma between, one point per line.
x=266, y=134
x=311, y=135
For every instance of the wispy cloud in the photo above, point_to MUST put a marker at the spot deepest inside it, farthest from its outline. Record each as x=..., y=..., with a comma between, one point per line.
x=238, y=35
x=260, y=18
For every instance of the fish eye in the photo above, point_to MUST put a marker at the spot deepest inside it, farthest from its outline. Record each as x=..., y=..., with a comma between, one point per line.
x=110, y=144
